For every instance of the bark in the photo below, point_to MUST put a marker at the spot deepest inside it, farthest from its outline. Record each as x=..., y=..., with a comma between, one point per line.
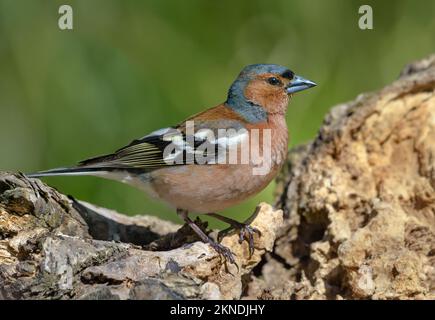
x=54, y=247
x=359, y=222
x=360, y=200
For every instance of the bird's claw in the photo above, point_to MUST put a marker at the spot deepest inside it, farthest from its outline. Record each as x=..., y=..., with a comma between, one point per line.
x=246, y=232
x=223, y=251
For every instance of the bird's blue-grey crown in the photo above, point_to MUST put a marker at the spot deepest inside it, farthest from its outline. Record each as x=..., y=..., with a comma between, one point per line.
x=247, y=109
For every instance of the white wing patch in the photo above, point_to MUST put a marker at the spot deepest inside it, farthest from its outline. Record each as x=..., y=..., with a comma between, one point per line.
x=231, y=140
x=204, y=147
x=158, y=133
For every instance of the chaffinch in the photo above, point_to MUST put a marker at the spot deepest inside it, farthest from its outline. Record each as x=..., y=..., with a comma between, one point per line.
x=214, y=159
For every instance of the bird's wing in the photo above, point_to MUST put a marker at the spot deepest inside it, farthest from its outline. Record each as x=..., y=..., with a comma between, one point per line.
x=203, y=143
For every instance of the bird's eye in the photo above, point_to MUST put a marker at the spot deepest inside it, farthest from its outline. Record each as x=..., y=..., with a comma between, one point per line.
x=274, y=81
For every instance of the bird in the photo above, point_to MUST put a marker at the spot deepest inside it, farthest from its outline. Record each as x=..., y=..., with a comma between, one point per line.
x=207, y=162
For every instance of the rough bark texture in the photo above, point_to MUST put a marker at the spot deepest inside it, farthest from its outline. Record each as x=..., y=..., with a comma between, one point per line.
x=359, y=207
x=52, y=247
x=361, y=201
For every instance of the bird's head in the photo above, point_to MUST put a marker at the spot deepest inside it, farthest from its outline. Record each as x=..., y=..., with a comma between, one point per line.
x=262, y=89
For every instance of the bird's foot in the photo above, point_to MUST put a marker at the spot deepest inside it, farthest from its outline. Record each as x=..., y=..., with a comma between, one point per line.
x=246, y=232
x=220, y=249
x=223, y=251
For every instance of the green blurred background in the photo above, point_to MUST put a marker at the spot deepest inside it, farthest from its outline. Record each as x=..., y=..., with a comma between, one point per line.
x=130, y=67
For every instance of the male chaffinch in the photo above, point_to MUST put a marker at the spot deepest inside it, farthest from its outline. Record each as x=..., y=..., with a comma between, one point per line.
x=187, y=165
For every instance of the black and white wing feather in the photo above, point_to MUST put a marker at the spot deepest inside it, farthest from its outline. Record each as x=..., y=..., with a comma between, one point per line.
x=164, y=147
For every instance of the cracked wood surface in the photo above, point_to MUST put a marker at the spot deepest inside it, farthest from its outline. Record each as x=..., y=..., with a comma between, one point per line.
x=54, y=247
x=361, y=201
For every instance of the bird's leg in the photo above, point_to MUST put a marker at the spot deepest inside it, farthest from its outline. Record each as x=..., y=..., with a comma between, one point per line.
x=246, y=232
x=222, y=250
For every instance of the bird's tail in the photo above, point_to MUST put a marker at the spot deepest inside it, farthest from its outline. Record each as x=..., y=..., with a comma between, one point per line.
x=73, y=171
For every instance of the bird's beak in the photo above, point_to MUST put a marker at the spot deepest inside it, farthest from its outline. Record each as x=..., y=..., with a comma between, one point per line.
x=298, y=84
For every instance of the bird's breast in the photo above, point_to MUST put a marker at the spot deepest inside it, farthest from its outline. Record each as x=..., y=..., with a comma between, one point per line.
x=215, y=187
